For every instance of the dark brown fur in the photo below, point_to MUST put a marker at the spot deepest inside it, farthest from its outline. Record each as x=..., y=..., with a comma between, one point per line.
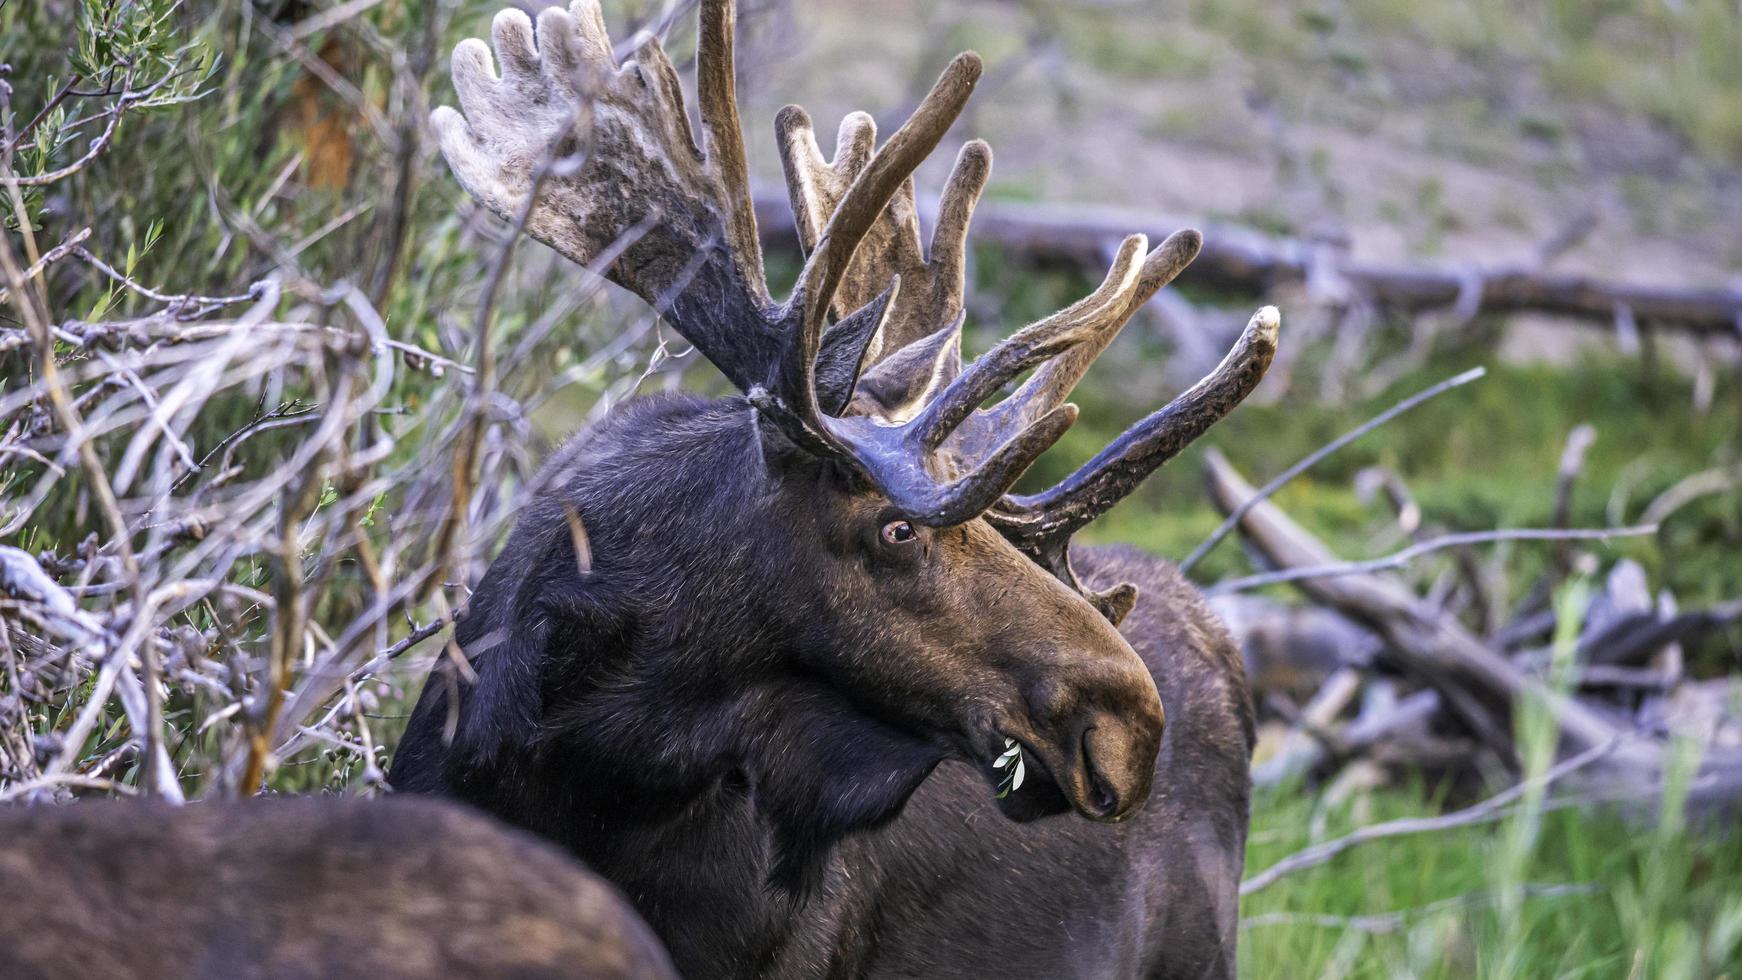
x=316, y=888
x=774, y=738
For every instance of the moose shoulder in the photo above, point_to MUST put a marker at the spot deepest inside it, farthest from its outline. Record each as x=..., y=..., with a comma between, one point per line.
x=795, y=669
x=303, y=888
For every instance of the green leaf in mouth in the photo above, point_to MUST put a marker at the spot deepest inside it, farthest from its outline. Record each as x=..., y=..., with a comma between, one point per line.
x=1014, y=768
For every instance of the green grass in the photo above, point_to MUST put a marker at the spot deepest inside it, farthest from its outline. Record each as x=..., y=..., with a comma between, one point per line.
x=1640, y=903
x=1544, y=893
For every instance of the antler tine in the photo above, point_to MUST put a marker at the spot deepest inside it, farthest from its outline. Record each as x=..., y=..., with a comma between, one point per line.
x=794, y=405
x=1058, y=335
x=1053, y=383
x=1041, y=524
x=816, y=186
x=892, y=246
x=717, y=91
x=948, y=257
x=890, y=169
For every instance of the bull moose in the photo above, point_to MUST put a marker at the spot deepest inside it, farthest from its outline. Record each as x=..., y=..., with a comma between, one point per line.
x=303, y=888
x=797, y=669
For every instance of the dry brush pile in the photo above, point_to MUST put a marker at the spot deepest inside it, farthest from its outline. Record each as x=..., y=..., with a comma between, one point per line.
x=223, y=517
x=1399, y=666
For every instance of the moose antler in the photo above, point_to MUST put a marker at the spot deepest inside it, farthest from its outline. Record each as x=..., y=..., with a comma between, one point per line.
x=1042, y=524
x=915, y=373
x=610, y=153
x=932, y=289
x=600, y=161
x=585, y=152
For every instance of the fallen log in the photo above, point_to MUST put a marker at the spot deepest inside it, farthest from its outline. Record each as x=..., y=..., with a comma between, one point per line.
x=1422, y=640
x=1480, y=686
x=1633, y=638
x=1241, y=258
x=1304, y=746
x=1292, y=648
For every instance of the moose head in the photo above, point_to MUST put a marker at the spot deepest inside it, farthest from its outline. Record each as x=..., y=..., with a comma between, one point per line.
x=824, y=585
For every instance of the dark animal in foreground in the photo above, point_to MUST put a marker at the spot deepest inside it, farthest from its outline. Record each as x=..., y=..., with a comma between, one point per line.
x=303, y=888
x=795, y=669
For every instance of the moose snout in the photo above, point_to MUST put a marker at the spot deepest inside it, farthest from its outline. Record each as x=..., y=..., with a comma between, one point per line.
x=1104, y=731
x=1118, y=769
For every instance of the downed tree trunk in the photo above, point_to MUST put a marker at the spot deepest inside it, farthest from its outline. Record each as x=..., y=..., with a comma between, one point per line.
x=1479, y=685
x=1291, y=649
x=1246, y=259
x=1423, y=641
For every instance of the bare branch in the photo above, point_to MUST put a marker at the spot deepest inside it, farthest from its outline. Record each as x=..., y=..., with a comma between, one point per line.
x=1401, y=558
x=1491, y=809
x=1312, y=459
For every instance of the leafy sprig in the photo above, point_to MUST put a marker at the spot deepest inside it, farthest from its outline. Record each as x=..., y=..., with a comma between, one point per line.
x=1013, y=766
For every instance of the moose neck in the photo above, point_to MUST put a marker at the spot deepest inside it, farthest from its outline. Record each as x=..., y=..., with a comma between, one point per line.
x=721, y=819
x=718, y=811
x=671, y=740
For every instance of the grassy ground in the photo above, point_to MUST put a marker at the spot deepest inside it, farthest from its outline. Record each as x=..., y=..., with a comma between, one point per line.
x=1543, y=892
x=1589, y=896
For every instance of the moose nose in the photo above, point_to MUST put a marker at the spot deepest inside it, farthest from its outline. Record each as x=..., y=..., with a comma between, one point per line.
x=1105, y=725
x=1118, y=769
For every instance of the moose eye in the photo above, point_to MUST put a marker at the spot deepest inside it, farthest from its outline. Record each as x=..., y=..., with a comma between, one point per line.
x=899, y=532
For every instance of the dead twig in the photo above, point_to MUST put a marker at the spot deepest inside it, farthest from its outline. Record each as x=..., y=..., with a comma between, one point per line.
x=1404, y=557
x=1313, y=458
x=1705, y=483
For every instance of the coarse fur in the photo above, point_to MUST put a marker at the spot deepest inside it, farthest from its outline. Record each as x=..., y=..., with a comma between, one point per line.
x=315, y=888
x=774, y=737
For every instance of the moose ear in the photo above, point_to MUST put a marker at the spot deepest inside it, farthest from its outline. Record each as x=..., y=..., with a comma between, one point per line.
x=823, y=770
x=500, y=703
x=469, y=717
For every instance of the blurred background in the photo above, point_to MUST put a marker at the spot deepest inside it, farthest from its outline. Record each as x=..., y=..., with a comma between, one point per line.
x=271, y=389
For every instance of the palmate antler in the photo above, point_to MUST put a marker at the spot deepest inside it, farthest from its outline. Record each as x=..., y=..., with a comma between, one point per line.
x=697, y=259
x=611, y=151
x=629, y=173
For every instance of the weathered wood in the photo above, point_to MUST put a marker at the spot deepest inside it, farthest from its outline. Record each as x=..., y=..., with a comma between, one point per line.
x=1304, y=747
x=1420, y=639
x=1633, y=638
x=1480, y=686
